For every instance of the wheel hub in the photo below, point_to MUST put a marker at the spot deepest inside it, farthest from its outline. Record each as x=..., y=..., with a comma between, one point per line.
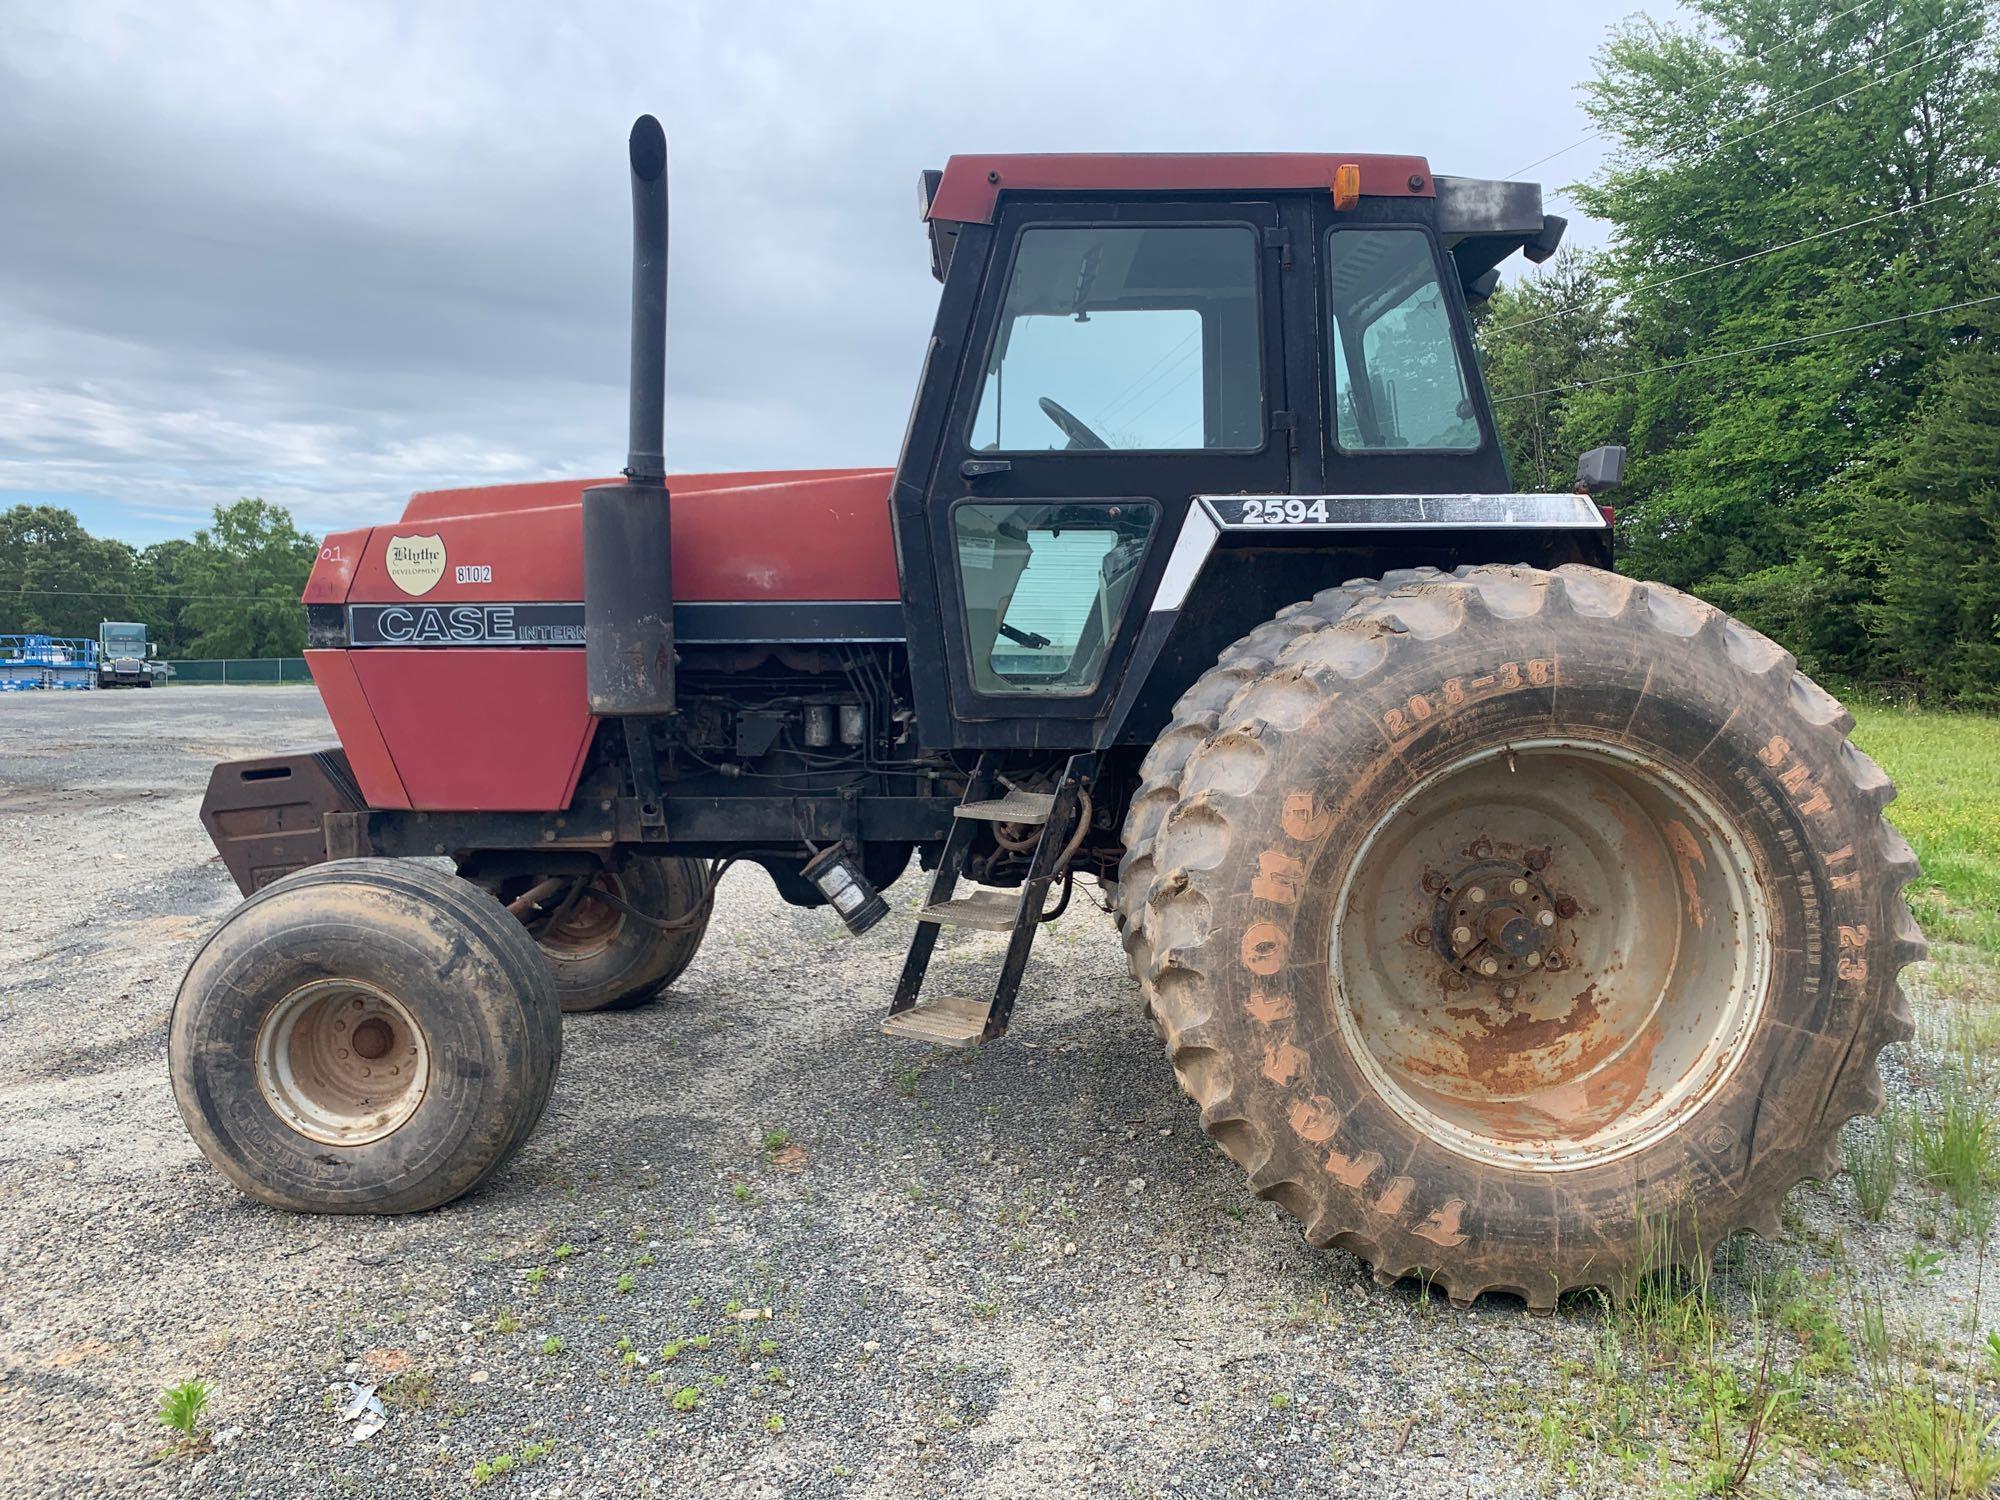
x=342, y=1062
x=589, y=925
x=1494, y=921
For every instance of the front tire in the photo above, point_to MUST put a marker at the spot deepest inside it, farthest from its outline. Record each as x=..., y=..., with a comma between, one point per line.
x=1524, y=930
x=365, y=1036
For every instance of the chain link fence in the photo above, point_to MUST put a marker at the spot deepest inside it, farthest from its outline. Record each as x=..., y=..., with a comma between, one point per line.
x=271, y=669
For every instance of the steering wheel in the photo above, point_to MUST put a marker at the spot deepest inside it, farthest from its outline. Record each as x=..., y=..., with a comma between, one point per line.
x=1072, y=426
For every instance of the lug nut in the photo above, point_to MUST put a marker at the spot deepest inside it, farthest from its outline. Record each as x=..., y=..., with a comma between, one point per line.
x=1489, y=966
x=1546, y=917
x=1461, y=935
x=1509, y=991
x=1518, y=887
x=1566, y=906
x=1537, y=859
x=1476, y=895
x=1533, y=960
x=1421, y=936
x=1555, y=961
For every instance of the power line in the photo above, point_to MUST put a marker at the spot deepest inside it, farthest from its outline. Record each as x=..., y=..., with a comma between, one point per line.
x=1650, y=286
x=142, y=594
x=1146, y=376
x=1782, y=98
x=1704, y=359
x=1811, y=109
x=1799, y=114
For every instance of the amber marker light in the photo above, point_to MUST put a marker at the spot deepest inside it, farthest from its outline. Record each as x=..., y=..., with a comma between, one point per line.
x=1346, y=185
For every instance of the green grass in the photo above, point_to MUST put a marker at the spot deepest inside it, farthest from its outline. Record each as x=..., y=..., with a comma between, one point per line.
x=1947, y=773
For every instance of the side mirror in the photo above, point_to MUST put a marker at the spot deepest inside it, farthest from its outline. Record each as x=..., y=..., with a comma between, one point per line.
x=1600, y=469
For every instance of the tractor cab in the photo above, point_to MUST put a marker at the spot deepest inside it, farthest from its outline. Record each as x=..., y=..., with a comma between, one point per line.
x=1120, y=334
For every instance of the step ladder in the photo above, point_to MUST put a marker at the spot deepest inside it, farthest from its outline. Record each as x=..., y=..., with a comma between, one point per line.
x=956, y=1021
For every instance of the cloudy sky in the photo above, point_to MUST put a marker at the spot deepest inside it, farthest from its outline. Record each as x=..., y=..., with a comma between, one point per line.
x=333, y=253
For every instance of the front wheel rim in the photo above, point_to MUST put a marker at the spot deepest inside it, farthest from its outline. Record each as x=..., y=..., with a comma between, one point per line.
x=342, y=1062
x=1559, y=955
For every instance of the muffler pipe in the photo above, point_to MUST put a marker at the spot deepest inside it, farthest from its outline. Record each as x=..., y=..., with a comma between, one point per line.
x=628, y=595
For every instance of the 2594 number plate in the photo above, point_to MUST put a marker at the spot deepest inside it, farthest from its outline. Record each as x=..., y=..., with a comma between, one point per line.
x=1290, y=510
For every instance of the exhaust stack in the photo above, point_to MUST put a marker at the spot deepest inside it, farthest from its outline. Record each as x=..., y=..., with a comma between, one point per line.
x=628, y=594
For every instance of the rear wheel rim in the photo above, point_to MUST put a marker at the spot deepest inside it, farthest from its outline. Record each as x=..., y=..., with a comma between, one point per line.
x=1550, y=955
x=342, y=1062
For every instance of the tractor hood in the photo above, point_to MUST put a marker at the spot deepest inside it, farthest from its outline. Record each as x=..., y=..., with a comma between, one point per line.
x=448, y=646
x=799, y=535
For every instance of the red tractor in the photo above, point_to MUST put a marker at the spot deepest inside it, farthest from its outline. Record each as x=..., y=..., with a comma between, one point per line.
x=1492, y=906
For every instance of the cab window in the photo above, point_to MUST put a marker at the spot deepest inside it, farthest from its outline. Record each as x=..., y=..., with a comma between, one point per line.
x=1398, y=383
x=1045, y=586
x=1128, y=338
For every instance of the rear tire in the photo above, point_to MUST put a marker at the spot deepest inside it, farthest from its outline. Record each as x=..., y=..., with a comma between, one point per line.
x=1648, y=1069
x=365, y=1036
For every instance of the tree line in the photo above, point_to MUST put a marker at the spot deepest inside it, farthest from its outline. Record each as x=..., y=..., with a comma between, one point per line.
x=1792, y=191
x=230, y=590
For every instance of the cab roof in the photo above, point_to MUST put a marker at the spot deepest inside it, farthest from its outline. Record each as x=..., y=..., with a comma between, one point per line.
x=968, y=191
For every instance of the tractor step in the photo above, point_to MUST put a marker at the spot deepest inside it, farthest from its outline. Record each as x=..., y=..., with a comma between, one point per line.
x=952, y=1022
x=1015, y=807
x=989, y=911
x=942, y=1020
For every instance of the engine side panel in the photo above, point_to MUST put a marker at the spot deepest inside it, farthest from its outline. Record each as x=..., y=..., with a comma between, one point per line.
x=479, y=729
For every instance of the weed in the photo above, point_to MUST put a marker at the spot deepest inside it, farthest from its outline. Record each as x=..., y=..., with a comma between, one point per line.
x=506, y=1322
x=671, y=1351
x=906, y=1082
x=1939, y=1442
x=538, y=1275
x=564, y=1252
x=767, y=1347
x=552, y=1345
x=182, y=1406
x=486, y=1470
x=1804, y=1307
x=413, y=1389
x=625, y=1284
x=1955, y=1149
x=1869, y=1148
x=1922, y=1265
x=744, y=1193
x=774, y=1424
x=701, y=1342
x=776, y=1141
x=687, y=1398
x=1281, y=1401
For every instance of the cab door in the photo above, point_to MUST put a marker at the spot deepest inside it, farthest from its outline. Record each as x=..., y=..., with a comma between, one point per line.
x=1123, y=359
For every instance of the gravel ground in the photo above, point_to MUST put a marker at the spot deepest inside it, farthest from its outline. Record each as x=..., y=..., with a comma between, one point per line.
x=1020, y=1271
